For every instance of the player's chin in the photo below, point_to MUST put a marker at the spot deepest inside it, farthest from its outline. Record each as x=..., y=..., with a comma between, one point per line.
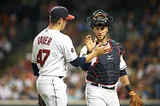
x=100, y=38
x=62, y=28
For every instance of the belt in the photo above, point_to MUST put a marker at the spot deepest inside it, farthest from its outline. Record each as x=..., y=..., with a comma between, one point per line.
x=60, y=76
x=53, y=76
x=98, y=85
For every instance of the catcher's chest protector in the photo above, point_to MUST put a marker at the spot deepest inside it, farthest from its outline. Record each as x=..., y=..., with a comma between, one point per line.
x=106, y=69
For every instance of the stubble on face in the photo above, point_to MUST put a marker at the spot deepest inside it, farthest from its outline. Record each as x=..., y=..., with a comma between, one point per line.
x=100, y=33
x=101, y=38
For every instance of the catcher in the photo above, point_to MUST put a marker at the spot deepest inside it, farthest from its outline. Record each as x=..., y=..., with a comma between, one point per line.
x=104, y=71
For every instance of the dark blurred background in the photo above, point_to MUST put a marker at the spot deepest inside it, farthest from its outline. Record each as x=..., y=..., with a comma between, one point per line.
x=136, y=25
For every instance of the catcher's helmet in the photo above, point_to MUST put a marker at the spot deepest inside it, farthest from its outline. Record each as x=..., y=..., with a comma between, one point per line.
x=100, y=18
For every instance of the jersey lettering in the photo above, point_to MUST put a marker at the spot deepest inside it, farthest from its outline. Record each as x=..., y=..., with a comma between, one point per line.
x=44, y=40
x=42, y=56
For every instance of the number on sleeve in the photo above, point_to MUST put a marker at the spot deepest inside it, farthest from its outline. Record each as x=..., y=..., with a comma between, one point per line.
x=42, y=56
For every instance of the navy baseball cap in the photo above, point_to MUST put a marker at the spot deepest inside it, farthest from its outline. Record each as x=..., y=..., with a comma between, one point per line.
x=60, y=12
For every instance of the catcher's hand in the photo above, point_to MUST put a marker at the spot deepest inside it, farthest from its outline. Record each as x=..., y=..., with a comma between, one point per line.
x=135, y=99
x=90, y=44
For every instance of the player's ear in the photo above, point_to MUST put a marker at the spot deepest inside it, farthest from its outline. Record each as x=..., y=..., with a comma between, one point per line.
x=60, y=21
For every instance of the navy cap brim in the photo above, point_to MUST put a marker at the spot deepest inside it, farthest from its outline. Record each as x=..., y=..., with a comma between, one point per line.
x=70, y=17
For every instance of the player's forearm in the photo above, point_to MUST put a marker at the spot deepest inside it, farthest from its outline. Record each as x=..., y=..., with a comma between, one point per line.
x=125, y=81
x=90, y=56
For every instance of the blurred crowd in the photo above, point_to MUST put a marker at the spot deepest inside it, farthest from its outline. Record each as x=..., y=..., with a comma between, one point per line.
x=138, y=31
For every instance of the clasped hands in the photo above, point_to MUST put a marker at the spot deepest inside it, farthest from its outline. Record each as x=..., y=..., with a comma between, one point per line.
x=99, y=48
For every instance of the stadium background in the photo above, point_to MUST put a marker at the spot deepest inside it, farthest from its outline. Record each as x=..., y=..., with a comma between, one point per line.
x=136, y=25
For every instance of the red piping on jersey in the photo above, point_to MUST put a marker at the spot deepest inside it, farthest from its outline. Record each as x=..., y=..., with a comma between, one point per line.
x=118, y=48
x=109, y=40
x=96, y=75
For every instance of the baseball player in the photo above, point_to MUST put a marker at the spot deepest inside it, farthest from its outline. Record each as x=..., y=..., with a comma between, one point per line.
x=104, y=71
x=51, y=52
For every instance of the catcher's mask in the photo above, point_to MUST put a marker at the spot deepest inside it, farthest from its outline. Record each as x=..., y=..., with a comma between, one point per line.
x=100, y=18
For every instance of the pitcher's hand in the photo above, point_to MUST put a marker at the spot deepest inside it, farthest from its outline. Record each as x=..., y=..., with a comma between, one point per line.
x=101, y=49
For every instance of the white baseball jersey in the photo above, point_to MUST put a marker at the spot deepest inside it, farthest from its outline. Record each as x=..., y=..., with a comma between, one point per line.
x=51, y=51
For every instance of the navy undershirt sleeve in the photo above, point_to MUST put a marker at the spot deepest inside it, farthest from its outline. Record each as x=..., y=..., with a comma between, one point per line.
x=86, y=66
x=81, y=61
x=78, y=61
x=35, y=69
x=123, y=72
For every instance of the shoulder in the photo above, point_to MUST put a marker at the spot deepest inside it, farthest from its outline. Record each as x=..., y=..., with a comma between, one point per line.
x=63, y=39
x=67, y=39
x=120, y=46
x=37, y=36
x=58, y=35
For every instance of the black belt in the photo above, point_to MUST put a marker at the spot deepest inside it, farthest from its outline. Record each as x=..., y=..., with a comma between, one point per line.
x=54, y=76
x=60, y=76
x=111, y=88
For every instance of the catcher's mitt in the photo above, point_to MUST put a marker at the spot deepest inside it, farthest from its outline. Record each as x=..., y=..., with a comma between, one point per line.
x=135, y=100
x=40, y=101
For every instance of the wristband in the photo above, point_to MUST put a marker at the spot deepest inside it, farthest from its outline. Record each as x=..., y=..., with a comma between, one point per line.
x=128, y=88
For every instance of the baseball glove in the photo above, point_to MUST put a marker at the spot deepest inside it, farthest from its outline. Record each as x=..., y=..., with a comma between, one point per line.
x=40, y=101
x=135, y=100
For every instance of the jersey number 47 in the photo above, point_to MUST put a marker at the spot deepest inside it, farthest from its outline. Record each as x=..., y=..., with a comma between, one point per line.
x=42, y=56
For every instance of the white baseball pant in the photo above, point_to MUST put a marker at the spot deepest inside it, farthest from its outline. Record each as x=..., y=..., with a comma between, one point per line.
x=97, y=96
x=52, y=89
